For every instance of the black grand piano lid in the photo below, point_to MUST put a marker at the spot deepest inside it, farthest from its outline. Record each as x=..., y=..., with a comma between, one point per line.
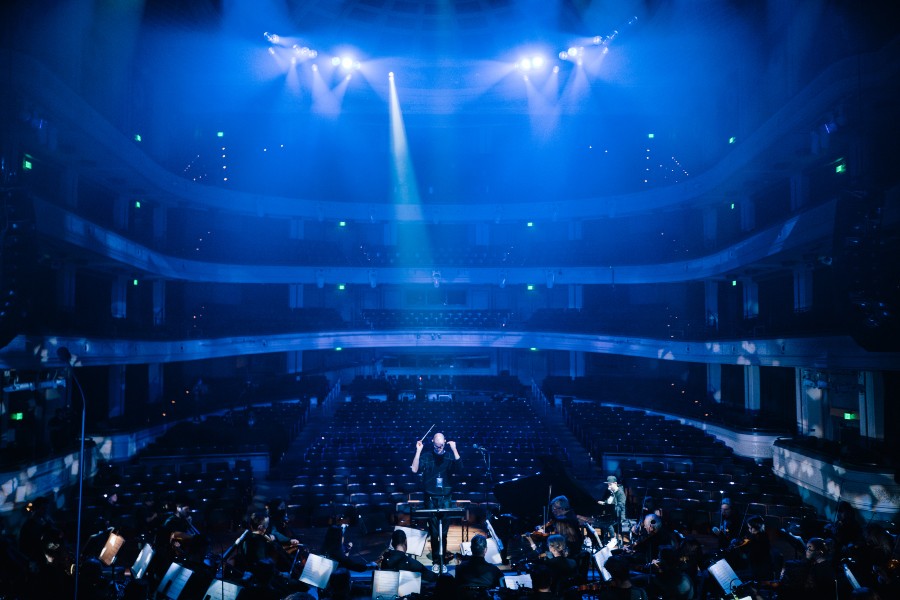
x=526, y=497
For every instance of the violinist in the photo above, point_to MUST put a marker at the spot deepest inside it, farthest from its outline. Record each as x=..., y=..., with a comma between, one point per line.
x=653, y=534
x=757, y=548
x=564, y=570
x=564, y=521
x=821, y=571
x=278, y=519
x=729, y=525
x=259, y=555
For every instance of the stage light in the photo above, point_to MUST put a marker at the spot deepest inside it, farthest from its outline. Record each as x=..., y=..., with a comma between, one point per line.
x=272, y=51
x=537, y=62
x=391, y=75
x=556, y=69
x=525, y=64
x=347, y=63
x=335, y=61
x=597, y=40
x=315, y=68
x=563, y=55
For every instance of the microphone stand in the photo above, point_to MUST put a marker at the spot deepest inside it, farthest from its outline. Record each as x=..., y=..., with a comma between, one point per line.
x=66, y=356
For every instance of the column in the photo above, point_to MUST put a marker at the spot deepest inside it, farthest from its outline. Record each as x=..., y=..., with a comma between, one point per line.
x=714, y=381
x=69, y=187
x=751, y=387
x=575, y=230
x=803, y=289
x=160, y=224
x=293, y=361
x=799, y=191
x=751, y=298
x=120, y=213
x=155, y=381
x=871, y=404
x=295, y=295
x=710, y=227
x=119, y=298
x=159, y=302
x=812, y=404
x=116, y=390
x=748, y=214
x=298, y=230
x=711, y=299
x=576, y=364
x=576, y=296
x=65, y=278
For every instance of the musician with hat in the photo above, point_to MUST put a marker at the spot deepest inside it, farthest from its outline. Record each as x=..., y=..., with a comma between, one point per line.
x=616, y=498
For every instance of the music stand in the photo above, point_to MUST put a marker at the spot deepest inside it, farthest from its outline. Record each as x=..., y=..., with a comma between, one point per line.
x=317, y=571
x=725, y=576
x=491, y=555
x=139, y=568
x=395, y=584
x=415, y=540
x=111, y=549
x=440, y=514
x=173, y=582
x=222, y=590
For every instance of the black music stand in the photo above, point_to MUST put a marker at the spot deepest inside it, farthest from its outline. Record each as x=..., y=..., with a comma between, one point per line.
x=440, y=514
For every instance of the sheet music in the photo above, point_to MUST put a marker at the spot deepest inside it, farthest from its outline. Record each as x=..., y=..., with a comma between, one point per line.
x=491, y=555
x=415, y=540
x=317, y=571
x=222, y=590
x=142, y=561
x=174, y=581
x=515, y=582
x=111, y=549
x=409, y=583
x=393, y=584
x=725, y=575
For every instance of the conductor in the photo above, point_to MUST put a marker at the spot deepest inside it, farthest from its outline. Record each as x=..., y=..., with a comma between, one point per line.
x=436, y=467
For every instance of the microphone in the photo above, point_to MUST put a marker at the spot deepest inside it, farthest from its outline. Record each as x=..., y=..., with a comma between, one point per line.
x=479, y=448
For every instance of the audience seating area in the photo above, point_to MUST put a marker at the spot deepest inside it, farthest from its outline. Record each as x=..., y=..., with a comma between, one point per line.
x=687, y=472
x=360, y=464
x=444, y=319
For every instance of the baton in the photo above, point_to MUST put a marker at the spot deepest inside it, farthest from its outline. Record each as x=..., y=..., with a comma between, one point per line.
x=427, y=432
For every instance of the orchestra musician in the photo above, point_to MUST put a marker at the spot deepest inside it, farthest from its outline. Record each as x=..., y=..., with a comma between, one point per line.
x=396, y=558
x=616, y=498
x=564, y=521
x=563, y=569
x=278, y=519
x=652, y=535
x=476, y=571
x=437, y=467
x=621, y=587
x=729, y=525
